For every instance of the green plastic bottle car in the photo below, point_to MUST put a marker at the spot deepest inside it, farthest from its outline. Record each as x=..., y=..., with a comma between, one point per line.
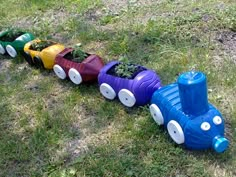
x=12, y=41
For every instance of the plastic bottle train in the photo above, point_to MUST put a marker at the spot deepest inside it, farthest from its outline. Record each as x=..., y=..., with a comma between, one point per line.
x=184, y=110
x=182, y=107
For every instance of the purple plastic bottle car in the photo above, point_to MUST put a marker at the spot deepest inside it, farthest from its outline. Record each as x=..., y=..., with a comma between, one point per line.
x=135, y=91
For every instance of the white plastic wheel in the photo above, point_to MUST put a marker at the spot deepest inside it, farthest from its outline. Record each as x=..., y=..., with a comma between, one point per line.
x=126, y=97
x=175, y=131
x=2, y=50
x=59, y=71
x=75, y=76
x=156, y=114
x=107, y=91
x=11, y=51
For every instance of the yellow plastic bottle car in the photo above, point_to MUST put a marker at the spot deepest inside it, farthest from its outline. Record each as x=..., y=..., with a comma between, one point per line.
x=42, y=53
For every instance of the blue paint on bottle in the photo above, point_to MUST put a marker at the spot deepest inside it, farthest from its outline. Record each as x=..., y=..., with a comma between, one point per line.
x=192, y=120
x=193, y=93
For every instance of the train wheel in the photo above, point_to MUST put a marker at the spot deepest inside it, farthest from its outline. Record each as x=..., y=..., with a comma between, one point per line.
x=28, y=58
x=107, y=91
x=175, y=131
x=75, y=76
x=11, y=51
x=59, y=71
x=38, y=62
x=2, y=50
x=126, y=97
x=156, y=114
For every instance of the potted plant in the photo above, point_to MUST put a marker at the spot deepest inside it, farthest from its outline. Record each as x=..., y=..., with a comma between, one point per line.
x=12, y=41
x=77, y=65
x=134, y=84
x=42, y=53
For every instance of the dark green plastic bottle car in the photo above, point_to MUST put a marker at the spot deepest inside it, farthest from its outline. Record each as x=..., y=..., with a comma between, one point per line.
x=13, y=42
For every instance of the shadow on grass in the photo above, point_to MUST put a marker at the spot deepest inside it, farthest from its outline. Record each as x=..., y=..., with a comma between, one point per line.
x=140, y=151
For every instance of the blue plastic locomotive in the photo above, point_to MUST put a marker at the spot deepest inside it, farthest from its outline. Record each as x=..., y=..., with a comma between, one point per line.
x=183, y=109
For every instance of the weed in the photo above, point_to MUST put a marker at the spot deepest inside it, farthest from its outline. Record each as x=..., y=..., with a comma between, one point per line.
x=108, y=19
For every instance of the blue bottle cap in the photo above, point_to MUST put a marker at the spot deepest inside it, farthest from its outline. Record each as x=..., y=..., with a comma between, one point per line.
x=220, y=144
x=191, y=77
x=193, y=93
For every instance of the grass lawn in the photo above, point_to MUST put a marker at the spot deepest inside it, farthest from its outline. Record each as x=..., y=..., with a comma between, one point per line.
x=51, y=127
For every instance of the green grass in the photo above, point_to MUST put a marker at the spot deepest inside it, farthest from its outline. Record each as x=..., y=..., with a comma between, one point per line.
x=51, y=127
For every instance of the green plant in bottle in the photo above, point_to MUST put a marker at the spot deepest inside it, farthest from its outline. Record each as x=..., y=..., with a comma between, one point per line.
x=39, y=46
x=125, y=69
x=78, y=54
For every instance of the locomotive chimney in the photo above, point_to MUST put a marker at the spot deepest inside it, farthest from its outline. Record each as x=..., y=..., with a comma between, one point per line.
x=193, y=93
